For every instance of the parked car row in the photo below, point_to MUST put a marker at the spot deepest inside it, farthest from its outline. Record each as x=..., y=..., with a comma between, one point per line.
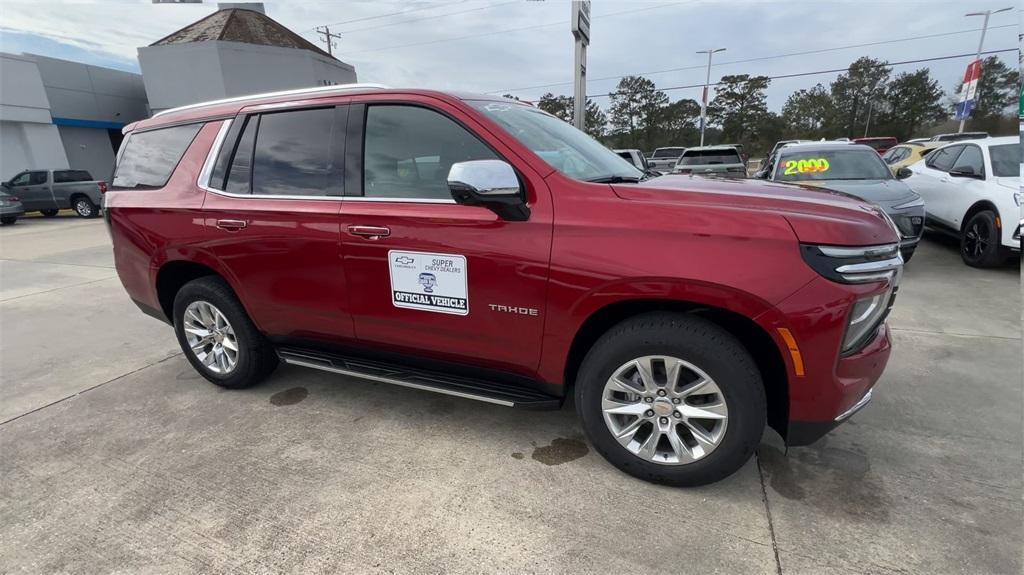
x=49, y=191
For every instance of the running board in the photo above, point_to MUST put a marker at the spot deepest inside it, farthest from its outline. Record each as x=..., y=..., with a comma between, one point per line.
x=437, y=382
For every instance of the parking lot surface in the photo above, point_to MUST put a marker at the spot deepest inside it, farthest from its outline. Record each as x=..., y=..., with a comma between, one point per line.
x=115, y=456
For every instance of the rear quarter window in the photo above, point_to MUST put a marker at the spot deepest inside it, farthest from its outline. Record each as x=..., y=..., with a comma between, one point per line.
x=65, y=176
x=149, y=157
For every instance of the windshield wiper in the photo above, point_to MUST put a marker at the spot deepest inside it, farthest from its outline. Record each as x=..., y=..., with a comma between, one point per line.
x=614, y=180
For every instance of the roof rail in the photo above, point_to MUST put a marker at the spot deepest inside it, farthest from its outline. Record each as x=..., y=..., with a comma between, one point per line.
x=295, y=92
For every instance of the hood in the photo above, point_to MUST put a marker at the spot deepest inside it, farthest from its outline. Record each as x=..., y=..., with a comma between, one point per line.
x=870, y=190
x=817, y=215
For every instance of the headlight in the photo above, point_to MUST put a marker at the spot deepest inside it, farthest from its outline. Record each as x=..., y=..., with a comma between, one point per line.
x=916, y=202
x=855, y=264
x=865, y=316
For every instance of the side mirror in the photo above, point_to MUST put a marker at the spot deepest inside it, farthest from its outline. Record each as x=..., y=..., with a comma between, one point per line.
x=492, y=184
x=904, y=173
x=964, y=172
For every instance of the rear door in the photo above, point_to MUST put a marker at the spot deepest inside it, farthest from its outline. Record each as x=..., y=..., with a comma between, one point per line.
x=935, y=185
x=33, y=188
x=271, y=212
x=427, y=276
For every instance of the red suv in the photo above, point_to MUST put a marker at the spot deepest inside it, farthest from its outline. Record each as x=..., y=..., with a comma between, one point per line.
x=479, y=247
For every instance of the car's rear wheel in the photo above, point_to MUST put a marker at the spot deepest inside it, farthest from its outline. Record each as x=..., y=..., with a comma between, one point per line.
x=8, y=220
x=980, y=243
x=84, y=207
x=217, y=336
x=49, y=213
x=671, y=398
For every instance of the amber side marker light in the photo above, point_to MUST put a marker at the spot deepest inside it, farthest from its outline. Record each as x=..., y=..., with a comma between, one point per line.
x=794, y=351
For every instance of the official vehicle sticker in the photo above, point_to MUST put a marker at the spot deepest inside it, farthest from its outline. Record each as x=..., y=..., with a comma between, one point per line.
x=429, y=282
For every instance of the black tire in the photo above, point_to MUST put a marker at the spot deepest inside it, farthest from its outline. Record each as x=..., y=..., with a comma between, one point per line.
x=49, y=213
x=256, y=356
x=701, y=343
x=980, y=245
x=8, y=220
x=84, y=207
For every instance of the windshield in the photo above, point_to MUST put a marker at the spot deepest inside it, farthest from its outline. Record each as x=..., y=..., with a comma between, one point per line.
x=843, y=164
x=562, y=146
x=1005, y=160
x=707, y=157
x=668, y=152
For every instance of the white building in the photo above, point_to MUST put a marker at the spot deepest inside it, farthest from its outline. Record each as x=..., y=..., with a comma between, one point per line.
x=233, y=52
x=60, y=114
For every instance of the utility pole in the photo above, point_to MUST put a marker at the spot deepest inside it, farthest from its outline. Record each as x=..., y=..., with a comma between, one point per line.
x=580, y=26
x=328, y=38
x=977, y=56
x=704, y=99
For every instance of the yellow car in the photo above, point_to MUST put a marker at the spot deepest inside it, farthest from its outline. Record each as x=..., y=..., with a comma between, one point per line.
x=902, y=155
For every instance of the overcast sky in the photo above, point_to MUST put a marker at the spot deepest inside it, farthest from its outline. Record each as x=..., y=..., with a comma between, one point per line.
x=513, y=45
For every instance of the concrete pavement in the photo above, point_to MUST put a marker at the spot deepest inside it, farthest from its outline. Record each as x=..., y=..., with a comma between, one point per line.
x=116, y=457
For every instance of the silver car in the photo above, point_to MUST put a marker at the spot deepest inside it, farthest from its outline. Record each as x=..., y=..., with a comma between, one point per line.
x=856, y=170
x=10, y=209
x=725, y=161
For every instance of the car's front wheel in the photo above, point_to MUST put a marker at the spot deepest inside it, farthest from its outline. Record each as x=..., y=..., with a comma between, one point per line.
x=671, y=398
x=8, y=220
x=217, y=336
x=980, y=243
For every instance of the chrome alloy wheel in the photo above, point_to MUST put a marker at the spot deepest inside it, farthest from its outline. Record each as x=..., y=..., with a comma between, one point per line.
x=664, y=410
x=83, y=207
x=211, y=337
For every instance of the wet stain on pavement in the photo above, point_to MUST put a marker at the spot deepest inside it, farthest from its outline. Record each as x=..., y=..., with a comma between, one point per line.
x=289, y=396
x=517, y=455
x=837, y=481
x=560, y=451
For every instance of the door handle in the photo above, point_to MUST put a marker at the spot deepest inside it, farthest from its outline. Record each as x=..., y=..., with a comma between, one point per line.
x=370, y=232
x=231, y=225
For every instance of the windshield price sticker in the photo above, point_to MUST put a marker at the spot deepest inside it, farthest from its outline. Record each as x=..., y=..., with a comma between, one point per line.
x=429, y=282
x=805, y=166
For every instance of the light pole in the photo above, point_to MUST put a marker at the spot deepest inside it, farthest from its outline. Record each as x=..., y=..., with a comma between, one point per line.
x=977, y=56
x=704, y=99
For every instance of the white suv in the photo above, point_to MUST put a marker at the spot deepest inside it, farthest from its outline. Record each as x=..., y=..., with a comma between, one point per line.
x=972, y=189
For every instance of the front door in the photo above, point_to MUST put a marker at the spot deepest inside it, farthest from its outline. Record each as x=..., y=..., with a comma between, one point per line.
x=33, y=190
x=272, y=220
x=937, y=186
x=428, y=276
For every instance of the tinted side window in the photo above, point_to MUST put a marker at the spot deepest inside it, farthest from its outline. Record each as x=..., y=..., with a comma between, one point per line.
x=971, y=157
x=293, y=153
x=64, y=176
x=36, y=178
x=20, y=179
x=150, y=157
x=409, y=151
x=240, y=171
x=942, y=159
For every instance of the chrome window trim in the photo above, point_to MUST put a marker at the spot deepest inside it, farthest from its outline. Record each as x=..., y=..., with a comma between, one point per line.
x=211, y=157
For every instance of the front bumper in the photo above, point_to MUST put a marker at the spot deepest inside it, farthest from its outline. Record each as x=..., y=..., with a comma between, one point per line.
x=833, y=386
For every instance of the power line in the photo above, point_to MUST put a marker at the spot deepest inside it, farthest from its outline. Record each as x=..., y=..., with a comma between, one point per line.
x=758, y=59
x=832, y=71
x=477, y=9
x=505, y=31
x=378, y=16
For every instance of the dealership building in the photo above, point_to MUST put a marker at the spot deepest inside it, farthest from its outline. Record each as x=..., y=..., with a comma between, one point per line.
x=57, y=114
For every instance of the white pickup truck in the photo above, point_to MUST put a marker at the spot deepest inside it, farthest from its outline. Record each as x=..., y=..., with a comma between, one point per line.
x=48, y=191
